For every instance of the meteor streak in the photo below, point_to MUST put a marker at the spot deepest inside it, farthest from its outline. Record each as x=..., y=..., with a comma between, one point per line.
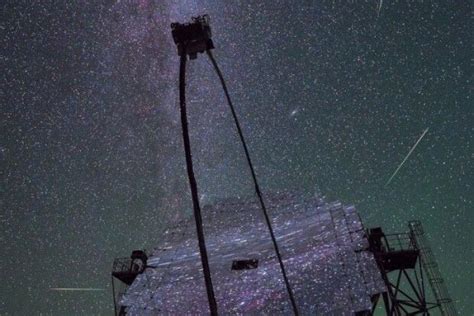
x=409, y=153
x=75, y=289
x=379, y=7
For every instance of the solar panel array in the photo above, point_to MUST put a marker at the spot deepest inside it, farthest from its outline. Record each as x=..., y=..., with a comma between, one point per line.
x=323, y=246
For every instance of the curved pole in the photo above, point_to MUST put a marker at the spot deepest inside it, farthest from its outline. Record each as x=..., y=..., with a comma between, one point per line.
x=257, y=188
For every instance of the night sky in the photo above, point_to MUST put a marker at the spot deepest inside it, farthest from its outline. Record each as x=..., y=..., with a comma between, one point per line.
x=331, y=96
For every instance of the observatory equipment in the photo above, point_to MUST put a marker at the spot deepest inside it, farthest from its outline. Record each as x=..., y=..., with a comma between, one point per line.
x=335, y=265
x=127, y=269
x=323, y=246
x=191, y=39
x=194, y=37
x=406, y=263
x=298, y=255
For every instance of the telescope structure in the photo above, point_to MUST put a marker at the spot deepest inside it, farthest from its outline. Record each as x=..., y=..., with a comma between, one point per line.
x=335, y=266
x=284, y=254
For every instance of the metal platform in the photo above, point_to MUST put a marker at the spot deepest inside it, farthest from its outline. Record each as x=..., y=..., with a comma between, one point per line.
x=323, y=246
x=406, y=263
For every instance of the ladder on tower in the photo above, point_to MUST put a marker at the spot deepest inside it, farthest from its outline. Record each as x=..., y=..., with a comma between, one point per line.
x=431, y=269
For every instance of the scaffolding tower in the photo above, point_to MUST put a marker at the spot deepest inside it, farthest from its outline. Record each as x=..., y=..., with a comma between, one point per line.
x=414, y=285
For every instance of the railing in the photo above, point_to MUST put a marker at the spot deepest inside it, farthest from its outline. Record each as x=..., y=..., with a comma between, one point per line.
x=122, y=264
x=431, y=269
x=398, y=242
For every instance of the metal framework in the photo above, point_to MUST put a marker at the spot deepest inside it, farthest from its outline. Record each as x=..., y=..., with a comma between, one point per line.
x=126, y=271
x=410, y=272
x=430, y=266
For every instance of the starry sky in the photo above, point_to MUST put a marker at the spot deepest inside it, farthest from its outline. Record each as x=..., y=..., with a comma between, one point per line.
x=331, y=96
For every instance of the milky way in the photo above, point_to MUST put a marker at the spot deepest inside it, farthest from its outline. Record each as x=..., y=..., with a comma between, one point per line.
x=329, y=95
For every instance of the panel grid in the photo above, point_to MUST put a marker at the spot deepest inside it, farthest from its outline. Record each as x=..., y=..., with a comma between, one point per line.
x=323, y=246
